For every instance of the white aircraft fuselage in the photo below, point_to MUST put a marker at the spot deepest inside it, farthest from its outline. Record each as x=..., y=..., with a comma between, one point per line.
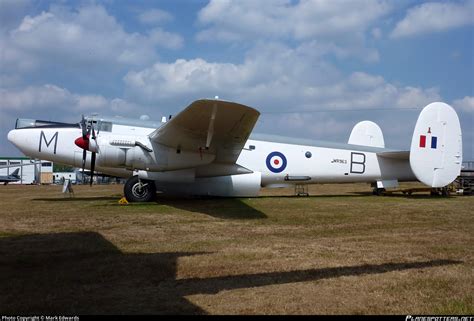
x=126, y=150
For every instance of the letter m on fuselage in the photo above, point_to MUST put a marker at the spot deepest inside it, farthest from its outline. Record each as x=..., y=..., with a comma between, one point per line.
x=43, y=137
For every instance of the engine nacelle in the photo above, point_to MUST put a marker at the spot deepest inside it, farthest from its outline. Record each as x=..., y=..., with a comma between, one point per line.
x=137, y=157
x=131, y=157
x=111, y=156
x=123, y=151
x=139, y=153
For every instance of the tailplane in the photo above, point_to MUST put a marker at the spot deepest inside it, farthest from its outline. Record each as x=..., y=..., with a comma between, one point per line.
x=436, y=146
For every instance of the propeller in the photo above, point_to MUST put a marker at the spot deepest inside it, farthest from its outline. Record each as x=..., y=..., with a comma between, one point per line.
x=88, y=142
x=84, y=150
x=93, y=155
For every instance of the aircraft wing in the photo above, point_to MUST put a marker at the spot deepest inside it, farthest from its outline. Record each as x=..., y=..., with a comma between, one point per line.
x=214, y=126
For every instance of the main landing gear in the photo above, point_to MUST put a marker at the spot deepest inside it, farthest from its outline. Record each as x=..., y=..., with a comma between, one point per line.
x=139, y=190
x=443, y=191
x=378, y=191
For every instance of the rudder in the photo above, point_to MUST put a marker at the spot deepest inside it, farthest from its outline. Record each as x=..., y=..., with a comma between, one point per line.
x=436, y=146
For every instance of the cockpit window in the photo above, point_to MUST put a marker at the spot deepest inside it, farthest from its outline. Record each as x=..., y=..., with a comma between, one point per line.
x=34, y=123
x=24, y=123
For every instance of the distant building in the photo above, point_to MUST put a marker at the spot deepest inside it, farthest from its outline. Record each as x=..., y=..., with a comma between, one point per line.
x=31, y=171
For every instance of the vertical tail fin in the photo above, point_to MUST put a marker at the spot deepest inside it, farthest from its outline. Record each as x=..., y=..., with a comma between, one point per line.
x=367, y=133
x=436, y=146
x=15, y=173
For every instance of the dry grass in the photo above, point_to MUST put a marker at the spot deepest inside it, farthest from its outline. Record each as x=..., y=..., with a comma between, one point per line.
x=340, y=251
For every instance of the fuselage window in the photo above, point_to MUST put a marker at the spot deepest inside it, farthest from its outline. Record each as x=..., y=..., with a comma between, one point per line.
x=308, y=154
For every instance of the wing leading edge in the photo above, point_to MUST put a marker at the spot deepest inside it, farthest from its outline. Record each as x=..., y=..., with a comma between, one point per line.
x=211, y=126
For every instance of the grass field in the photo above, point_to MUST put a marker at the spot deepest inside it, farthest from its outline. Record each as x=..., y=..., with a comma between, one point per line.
x=339, y=251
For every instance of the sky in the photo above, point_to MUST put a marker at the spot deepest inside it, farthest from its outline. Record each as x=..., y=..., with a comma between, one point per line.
x=312, y=68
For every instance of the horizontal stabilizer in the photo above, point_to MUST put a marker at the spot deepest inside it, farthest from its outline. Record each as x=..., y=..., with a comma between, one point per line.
x=395, y=155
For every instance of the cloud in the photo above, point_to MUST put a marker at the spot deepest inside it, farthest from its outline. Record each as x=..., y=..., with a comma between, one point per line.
x=73, y=39
x=231, y=20
x=273, y=77
x=58, y=101
x=270, y=68
x=376, y=33
x=434, y=17
x=339, y=24
x=165, y=39
x=35, y=97
x=155, y=17
x=465, y=104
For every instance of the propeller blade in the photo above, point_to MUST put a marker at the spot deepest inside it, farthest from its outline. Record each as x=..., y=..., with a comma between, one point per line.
x=92, y=167
x=84, y=155
x=93, y=132
x=84, y=127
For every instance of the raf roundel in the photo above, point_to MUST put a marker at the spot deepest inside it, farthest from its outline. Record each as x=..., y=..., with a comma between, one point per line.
x=276, y=162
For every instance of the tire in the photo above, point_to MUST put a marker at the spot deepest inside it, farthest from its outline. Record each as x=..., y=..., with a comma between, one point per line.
x=133, y=192
x=445, y=192
x=378, y=191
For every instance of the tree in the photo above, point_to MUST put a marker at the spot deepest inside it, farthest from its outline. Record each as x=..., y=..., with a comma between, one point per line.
x=62, y=168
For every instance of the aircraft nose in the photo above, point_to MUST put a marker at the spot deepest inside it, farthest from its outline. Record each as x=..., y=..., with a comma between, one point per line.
x=11, y=136
x=18, y=139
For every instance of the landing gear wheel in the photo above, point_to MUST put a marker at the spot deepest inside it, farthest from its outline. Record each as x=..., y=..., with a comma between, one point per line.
x=139, y=190
x=445, y=192
x=378, y=191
